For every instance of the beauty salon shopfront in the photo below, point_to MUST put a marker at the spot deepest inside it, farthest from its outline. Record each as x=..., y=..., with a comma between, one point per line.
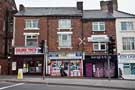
x=97, y=66
x=71, y=62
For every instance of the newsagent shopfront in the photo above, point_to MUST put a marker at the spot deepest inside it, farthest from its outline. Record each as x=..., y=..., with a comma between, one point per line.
x=70, y=62
x=27, y=59
x=97, y=66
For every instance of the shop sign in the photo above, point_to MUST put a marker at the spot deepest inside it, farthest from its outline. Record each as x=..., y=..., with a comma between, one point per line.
x=127, y=57
x=64, y=55
x=98, y=57
x=24, y=51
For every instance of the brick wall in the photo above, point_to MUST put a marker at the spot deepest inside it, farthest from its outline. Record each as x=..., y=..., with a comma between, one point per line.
x=87, y=28
x=4, y=67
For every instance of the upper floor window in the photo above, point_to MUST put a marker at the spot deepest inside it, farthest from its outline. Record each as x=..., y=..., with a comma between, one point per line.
x=31, y=40
x=127, y=26
x=98, y=26
x=64, y=23
x=31, y=23
x=64, y=40
x=128, y=43
x=99, y=46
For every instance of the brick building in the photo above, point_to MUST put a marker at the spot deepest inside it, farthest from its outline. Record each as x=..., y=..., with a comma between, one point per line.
x=99, y=30
x=61, y=30
x=7, y=9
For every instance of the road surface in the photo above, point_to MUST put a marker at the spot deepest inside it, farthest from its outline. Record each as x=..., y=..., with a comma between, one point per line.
x=28, y=86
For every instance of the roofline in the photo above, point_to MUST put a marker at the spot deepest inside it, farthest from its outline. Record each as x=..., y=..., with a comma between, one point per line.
x=47, y=15
x=126, y=13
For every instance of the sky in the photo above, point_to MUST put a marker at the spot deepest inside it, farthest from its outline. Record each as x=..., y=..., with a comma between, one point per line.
x=123, y=5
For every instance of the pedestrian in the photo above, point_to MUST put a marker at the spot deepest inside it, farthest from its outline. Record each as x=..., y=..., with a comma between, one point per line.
x=120, y=74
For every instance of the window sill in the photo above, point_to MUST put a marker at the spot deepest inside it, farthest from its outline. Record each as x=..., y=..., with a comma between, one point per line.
x=128, y=51
x=99, y=50
x=125, y=31
x=31, y=28
x=64, y=47
x=64, y=28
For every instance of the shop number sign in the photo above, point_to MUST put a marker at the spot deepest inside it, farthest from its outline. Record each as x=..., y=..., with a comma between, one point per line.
x=21, y=50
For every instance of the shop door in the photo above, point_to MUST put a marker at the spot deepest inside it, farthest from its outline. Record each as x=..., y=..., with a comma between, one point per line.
x=88, y=67
x=99, y=69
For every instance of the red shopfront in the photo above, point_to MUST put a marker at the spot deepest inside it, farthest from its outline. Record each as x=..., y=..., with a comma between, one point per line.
x=70, y=62
x=27, y=59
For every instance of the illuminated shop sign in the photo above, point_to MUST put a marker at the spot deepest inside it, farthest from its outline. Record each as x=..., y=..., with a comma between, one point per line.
x=25, y=51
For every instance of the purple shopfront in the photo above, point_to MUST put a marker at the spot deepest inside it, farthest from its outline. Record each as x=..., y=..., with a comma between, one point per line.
x=97, y=66
x=71, y=63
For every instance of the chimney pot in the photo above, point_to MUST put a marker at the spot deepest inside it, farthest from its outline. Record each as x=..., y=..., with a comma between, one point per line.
x=21, y=7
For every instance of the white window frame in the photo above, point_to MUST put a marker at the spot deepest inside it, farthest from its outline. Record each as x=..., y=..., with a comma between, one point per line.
x=67, y=43
x=99, y=46
x=128, y=24
x=64, y=24
x=98, y=25
x=31, y=23
x=31, y=35
x=128, y=43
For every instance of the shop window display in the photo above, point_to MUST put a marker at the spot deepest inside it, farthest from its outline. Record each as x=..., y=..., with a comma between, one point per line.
x=32, y=67
x=69, y=67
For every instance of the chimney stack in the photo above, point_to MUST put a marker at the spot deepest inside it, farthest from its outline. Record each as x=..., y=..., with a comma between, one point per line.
x=80, y=5
x=109, y=5
x=21, y=8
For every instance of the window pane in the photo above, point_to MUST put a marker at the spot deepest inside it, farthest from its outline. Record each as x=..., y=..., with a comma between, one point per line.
x=31, y=41
x=102, y=27
x=64, y=23
x=123, y=26
x=95, y=46
x=127, y=26
x=103, y=46
x=133, y=68
x=98, y=26
x=65, y=40
x=127, y=70
x=128, y=43
x=31, y=23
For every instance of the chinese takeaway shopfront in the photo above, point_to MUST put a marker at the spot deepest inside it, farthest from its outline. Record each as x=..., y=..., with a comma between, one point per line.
x=97, y=66
x=70, y=62
x=28, y=59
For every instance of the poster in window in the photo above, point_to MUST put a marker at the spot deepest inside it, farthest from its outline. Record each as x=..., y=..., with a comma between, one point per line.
x=13, y=66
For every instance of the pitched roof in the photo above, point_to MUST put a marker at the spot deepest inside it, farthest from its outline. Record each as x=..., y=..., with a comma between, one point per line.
x=99, y=14
x=96, y=14
x=55, y=11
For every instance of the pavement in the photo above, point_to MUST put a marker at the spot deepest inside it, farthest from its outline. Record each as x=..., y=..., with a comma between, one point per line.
x=84, y=82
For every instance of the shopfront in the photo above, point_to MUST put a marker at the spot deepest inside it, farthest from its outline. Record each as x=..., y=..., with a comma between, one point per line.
x=97, y=66
x=70, y=62
x=126, y=62
x=27, y=59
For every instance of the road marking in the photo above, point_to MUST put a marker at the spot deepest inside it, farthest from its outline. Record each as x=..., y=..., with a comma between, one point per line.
x=2, y=88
